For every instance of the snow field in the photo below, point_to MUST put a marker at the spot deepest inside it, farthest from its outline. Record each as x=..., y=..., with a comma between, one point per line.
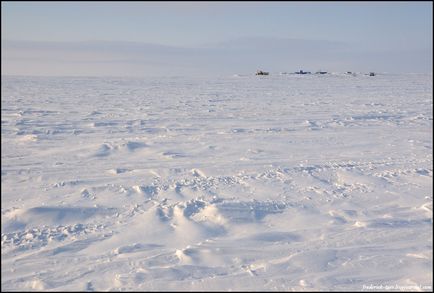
x=235, y=183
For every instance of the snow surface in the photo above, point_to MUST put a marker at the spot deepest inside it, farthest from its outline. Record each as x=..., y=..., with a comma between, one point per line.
x=280, y=182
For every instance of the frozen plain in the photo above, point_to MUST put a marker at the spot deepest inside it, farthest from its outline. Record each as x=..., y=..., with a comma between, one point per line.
x=280, y=182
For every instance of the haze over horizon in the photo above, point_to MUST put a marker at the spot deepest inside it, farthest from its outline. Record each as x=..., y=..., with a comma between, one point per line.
x=209, y=38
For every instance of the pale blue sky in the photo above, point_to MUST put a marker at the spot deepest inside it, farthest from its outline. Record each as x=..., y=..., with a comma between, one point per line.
x=189, y=24
x=368, y=26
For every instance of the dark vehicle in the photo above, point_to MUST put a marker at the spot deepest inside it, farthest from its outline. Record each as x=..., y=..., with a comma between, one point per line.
x=260, y=72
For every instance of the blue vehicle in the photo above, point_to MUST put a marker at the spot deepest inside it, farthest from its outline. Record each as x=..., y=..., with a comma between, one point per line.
x=302, y=72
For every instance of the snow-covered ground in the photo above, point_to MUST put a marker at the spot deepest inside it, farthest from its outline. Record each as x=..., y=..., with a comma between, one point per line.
x=280, y=182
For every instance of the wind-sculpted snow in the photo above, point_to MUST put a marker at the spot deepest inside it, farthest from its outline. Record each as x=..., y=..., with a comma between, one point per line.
x=280, y=182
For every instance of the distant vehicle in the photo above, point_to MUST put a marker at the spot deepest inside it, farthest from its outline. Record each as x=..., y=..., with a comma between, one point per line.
x=302, y=72
x=371, y=73
x=349, y=72
x=260, y=72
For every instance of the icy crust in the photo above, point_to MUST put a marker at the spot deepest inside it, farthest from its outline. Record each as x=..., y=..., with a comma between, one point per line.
x=237, y=183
